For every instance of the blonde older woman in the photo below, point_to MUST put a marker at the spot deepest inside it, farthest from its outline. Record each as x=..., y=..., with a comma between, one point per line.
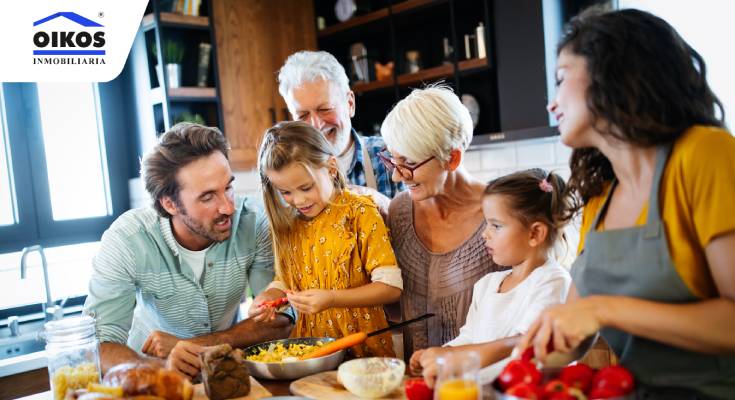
x=436, y=226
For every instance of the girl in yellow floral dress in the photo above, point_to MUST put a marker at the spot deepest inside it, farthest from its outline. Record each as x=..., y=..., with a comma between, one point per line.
x=333, y=260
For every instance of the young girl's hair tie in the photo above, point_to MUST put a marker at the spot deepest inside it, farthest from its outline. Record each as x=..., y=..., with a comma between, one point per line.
x=545, y=186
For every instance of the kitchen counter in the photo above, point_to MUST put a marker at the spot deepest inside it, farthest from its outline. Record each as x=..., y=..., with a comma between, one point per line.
x=277, y=388
x=20, y=364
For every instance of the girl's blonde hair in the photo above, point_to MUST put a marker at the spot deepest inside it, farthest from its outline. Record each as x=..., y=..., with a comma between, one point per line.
x=283, y=144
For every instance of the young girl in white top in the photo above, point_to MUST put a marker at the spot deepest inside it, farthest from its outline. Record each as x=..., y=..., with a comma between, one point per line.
x=526, y=212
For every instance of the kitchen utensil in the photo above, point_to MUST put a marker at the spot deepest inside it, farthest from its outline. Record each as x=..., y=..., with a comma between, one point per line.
x=292, y=369
x=371, y=377
x=357, y=338
x=325, y=386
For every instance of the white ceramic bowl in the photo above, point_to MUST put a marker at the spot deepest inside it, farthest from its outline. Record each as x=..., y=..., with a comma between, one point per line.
x=371, y=377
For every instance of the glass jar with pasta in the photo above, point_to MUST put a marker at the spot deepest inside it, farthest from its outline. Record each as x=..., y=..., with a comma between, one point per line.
x=73, y=354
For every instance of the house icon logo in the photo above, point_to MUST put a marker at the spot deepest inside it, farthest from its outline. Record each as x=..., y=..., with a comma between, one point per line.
x=70, y=35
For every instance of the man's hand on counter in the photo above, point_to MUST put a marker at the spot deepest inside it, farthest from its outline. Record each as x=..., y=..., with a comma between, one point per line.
x=159, y=344
x=184, y=358
x=180, y=355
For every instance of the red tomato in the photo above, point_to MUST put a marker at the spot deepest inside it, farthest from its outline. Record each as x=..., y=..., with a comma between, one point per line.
x=555, y=389
x=576, y=394
x=525, y=391
x=615, y=378
x=416, y=389
x=519, y=371
x=529, y=353
x=578, y=375
x=274, y=303
x=604, y=393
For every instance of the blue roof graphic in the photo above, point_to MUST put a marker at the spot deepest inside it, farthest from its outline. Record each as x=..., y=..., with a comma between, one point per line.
x=71, y=16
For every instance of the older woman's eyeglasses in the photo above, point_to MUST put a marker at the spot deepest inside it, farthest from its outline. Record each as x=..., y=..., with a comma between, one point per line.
x=404, y=170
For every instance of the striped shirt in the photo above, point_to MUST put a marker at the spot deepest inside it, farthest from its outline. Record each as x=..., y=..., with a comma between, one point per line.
x=140, y=284
x=356, y=173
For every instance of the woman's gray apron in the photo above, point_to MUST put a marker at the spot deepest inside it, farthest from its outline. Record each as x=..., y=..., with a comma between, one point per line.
x=636, y=262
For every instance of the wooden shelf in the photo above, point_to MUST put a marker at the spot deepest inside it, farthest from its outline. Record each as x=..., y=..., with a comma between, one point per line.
x=353, y=22
x=359, y=88
x=401, y=7
x=434, y=73
x=189, y=93
x=174, y=20
x=192, y=93
x=429, y=74
x=471, y=64
x=409, y=5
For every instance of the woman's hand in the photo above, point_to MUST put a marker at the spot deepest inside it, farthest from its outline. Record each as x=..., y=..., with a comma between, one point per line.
x=259, y=313
x=311, y=301
x=564, y=325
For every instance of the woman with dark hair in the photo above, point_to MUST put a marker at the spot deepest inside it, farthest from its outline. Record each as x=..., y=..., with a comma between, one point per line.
x=654, y=168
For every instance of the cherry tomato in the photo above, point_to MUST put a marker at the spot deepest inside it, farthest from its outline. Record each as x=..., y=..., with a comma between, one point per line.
x=519, y=371
x=274, y=303
x=556, y=389
x=578, y=375
x=525, y=391
x=615, y=378
x=604, y=393
x=416, y=389
x=529, y=353
x=576, y=393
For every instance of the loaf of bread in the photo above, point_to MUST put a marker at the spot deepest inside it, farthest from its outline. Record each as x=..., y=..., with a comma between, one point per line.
x=142, y=379
x=224, y=373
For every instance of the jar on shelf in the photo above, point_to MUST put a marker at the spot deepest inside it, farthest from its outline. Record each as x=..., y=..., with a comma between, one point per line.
x=73, y=354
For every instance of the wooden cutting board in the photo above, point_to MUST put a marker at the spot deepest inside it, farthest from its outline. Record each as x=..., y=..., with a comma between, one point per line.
x=324, y=385
x=257, y=391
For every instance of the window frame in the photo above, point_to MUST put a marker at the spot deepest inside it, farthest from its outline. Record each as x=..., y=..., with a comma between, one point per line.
x=25, y=137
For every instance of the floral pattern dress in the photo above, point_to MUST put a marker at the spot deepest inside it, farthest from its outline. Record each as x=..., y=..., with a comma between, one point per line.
x=339, y=249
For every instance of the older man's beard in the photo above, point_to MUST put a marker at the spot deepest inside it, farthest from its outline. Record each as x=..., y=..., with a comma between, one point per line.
x=340, y=140
x=207, y=232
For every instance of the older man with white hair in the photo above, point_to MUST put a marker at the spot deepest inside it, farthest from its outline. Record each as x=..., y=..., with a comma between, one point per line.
x=317, y=91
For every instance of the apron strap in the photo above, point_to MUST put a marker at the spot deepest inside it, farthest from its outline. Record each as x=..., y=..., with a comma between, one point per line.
x=367, y=166
x=603, y=209
x=653, y=220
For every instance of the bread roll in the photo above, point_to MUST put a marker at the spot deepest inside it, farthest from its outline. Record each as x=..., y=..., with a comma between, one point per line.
x=142, y=379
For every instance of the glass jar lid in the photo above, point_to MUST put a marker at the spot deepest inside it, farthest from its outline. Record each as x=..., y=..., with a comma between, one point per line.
x=68, y=329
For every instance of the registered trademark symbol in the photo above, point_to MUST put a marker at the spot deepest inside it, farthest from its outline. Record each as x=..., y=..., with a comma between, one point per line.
x=100, y=14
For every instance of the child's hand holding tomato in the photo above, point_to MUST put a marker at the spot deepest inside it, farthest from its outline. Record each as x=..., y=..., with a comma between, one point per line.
x=259, y=310
x=311, y=301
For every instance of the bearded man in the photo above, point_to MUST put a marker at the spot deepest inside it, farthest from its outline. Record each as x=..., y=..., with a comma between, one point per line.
x=168, y=279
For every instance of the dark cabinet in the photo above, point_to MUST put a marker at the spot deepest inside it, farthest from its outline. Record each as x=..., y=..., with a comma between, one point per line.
x=505, y=78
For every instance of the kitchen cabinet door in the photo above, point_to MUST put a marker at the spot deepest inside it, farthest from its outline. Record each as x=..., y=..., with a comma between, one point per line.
x=254, y=38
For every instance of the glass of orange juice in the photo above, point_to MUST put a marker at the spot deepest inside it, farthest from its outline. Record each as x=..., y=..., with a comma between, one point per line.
x=457, y=377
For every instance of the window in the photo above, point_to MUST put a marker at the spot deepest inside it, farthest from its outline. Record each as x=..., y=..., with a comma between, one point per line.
x=706, y=25
x=7, y=198
x=59, y=181
x=74, y=148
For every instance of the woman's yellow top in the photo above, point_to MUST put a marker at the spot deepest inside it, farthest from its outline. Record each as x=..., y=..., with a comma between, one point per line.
x=339, y=249
x=697, y=203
